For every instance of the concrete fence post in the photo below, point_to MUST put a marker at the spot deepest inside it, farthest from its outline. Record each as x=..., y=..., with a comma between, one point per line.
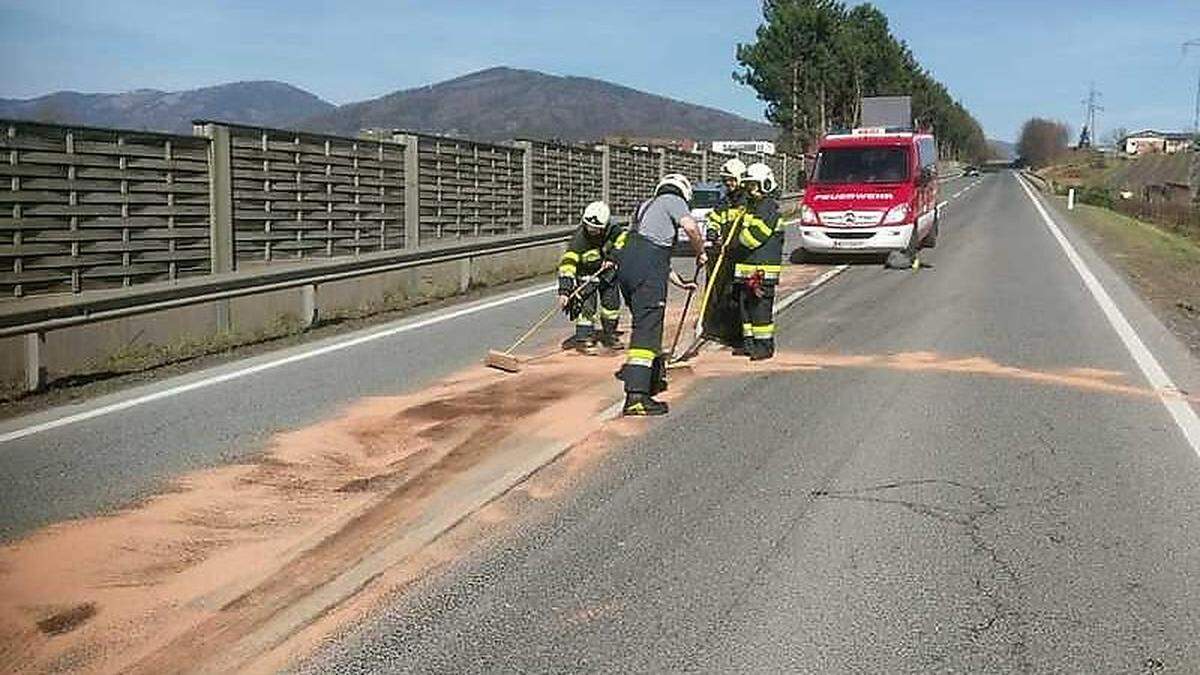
x=785, y=179
x=35, y=369
x=222, y=254
x=704, y=166
x=412, y=190
x=526, y=184
x=662, y=161
x=606, y=174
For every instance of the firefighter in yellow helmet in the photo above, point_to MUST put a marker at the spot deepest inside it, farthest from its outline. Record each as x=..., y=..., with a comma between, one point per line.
x=719, y=313
x=589, y=259
x=758, y=260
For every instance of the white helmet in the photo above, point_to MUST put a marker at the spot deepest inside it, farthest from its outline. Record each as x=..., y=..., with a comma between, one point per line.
x=677, y=181
x=595, y=216
x=763, y=175
x=733, y=168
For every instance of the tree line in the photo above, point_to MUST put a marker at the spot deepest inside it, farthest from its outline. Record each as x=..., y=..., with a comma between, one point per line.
x=1042, y=141
x=813, y=61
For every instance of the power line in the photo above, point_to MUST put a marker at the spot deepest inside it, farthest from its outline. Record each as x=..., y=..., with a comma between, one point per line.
x=1091, y=106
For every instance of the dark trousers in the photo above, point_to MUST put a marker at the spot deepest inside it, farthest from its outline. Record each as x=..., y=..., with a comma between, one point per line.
x=642, y=277
x=608, y=299
x=758, y=322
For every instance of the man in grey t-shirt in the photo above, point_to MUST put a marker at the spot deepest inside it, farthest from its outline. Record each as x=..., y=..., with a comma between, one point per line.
x=644, y=270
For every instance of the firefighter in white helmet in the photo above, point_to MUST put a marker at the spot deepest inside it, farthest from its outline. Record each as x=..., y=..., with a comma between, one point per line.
x=758, y=261
x=719, y=314
x=645, y=269
x=731, y=201
x=590, y=259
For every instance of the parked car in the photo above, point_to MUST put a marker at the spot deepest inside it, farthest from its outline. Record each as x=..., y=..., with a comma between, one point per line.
x=872, y=190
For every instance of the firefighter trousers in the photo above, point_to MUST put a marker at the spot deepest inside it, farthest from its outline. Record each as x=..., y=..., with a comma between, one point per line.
x=607, y=300
x=643, y=276
x=758, y=323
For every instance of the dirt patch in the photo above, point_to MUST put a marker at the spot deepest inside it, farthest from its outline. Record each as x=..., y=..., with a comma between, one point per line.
x=67, y=620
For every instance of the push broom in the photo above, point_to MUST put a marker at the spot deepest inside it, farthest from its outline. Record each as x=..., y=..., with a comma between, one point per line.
x=510, y=363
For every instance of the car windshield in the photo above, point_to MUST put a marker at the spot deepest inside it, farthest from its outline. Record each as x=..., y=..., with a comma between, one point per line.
x=862, y=165
x=705, y=199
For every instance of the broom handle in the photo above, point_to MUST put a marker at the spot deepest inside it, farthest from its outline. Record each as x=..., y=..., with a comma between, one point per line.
x=544, y=319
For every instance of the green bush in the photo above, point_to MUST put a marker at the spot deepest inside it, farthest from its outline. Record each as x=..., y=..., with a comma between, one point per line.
x=1096, y=196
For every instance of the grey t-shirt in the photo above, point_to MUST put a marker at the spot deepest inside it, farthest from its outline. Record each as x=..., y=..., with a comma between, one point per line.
x=659, y=218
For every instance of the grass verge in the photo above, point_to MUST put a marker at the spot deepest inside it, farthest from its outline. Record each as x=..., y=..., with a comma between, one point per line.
x=1163, y=266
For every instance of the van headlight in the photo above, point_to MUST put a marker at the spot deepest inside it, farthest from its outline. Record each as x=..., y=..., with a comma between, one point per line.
x=808, y=216
x=897, y=214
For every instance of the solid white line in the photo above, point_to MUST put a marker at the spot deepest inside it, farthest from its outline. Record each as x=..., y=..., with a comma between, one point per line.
x=941, y=204
x=233, y=375
x=1181, y=411
x=812, y=286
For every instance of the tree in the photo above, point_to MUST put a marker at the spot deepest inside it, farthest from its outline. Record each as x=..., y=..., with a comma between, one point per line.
x=813, y=61
x=1115, y=136
x=1042, y=141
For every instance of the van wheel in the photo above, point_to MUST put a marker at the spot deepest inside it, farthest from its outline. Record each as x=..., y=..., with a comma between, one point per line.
x=931, y=238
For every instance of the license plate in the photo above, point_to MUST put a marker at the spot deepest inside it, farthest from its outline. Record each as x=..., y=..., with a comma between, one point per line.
x=849, y=243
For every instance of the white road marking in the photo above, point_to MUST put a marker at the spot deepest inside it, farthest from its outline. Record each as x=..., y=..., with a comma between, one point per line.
x=941, y=204
x=1181, y=411
x=258, y=368
x=812, y=286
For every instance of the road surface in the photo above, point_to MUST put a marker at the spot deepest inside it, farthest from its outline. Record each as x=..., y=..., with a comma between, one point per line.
x=962, y=469
x=912, y=518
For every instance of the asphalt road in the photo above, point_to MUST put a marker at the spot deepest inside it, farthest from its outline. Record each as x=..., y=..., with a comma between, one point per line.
x=884, y=519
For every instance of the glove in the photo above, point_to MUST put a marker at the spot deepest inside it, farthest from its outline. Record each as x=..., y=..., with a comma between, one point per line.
x=754, y=283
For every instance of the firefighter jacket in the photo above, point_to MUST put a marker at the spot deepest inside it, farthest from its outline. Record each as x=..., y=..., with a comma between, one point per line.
x=759, y=245
x=585, y=253
x=724, y=216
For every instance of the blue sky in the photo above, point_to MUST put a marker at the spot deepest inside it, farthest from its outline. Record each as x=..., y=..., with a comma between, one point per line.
x=1005, y=59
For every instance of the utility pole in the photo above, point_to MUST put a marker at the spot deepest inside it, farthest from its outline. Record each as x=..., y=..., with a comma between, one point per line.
x=1087, y=138
x=1196, y=114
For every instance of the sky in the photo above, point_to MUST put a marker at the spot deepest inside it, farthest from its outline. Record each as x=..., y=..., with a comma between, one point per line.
x=1006, y=60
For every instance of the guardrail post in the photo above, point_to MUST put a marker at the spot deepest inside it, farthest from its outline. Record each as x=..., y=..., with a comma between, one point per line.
x=35, y=370
x=412, y=190
x=308, y=306
x=606, y=174
x=526, y=184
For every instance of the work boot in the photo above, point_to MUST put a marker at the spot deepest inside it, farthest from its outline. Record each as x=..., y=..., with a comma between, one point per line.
x=641, y=405
x=611, y=342
x=570, y=343
x=761, y=350
x=739, y=349
x=587, y=346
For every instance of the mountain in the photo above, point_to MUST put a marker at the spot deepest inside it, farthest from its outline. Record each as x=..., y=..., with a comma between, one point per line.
x=1002, y=149
x=266, y=103
x=503, y=103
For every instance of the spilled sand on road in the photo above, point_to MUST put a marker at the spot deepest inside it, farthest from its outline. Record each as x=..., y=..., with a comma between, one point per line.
x=177, y=582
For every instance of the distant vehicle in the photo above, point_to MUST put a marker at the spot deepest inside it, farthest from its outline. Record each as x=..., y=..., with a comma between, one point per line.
x=705, y=197
x=872, y=190
x=971, y=171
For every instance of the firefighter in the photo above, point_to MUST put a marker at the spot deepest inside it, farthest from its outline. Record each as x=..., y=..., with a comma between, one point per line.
x=591, y=253
x=758, y=257
x=725, y=212
x=720, y=314
x=644, y=271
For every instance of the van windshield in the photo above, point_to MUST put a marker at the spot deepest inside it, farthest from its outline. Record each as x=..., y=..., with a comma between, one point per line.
x=705, y=199
x=862, y=165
